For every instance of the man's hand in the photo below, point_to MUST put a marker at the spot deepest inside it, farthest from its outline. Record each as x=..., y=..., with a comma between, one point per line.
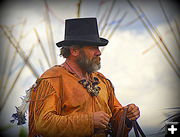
x=101, y=119
x=133, y=112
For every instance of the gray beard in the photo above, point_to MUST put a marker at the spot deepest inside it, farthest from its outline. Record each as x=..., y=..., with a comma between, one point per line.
x=86, y=64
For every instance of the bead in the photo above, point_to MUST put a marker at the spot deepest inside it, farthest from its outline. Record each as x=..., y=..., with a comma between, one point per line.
x=92, y=87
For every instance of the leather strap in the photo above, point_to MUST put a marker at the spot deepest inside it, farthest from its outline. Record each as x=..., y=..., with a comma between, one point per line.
x=137, y=129
x=121, y=127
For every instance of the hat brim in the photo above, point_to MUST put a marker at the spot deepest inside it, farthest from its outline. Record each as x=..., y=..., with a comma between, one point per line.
x=100, y=42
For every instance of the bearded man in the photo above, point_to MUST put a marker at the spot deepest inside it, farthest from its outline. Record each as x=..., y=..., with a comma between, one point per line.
x=73, y=99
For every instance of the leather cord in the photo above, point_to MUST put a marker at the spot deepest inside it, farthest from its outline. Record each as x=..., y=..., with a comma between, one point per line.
x=121, y=127
x=137, y=129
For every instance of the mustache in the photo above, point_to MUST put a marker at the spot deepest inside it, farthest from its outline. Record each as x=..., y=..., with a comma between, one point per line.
x=97, y=59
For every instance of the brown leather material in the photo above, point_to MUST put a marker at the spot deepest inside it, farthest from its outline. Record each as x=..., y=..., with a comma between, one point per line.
x=120, y=129
x=61, y=107
x=118, y=124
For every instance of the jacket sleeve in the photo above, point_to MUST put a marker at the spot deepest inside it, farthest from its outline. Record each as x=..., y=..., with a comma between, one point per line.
x=48, y=119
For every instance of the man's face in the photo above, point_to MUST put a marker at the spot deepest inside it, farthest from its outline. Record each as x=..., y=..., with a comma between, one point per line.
x=89, y=58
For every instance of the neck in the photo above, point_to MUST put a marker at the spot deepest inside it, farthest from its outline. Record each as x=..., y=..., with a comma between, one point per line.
x=73, y=66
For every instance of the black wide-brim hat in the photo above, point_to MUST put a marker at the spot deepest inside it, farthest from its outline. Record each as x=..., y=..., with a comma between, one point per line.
x=82, y=32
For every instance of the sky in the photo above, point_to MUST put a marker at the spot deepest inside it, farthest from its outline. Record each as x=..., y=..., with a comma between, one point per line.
x=142, y=77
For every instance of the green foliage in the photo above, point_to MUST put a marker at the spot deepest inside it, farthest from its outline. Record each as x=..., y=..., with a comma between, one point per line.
x=23, y=132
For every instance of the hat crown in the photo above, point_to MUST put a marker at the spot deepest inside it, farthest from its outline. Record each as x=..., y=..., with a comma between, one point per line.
x=82, y=32
x=81, y=27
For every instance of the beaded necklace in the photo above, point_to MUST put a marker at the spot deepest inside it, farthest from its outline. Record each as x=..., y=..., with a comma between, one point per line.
x=91, y=85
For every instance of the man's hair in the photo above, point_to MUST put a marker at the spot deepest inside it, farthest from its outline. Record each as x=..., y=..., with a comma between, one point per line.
x=65, y=51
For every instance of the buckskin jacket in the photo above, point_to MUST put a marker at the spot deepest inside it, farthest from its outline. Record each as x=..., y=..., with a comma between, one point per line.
x=61, y=107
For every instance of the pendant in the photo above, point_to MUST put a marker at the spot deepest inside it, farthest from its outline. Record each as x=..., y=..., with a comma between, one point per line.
x=92, y=87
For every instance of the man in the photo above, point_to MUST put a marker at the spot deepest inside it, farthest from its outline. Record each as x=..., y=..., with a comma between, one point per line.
x=73, y=99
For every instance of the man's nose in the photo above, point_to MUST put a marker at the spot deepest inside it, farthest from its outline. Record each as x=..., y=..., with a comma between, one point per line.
x=98, y=52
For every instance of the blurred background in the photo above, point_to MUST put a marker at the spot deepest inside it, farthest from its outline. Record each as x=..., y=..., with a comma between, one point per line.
x=142, y=58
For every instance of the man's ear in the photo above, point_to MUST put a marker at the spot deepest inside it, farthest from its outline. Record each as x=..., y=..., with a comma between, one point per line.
x=74, y=52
